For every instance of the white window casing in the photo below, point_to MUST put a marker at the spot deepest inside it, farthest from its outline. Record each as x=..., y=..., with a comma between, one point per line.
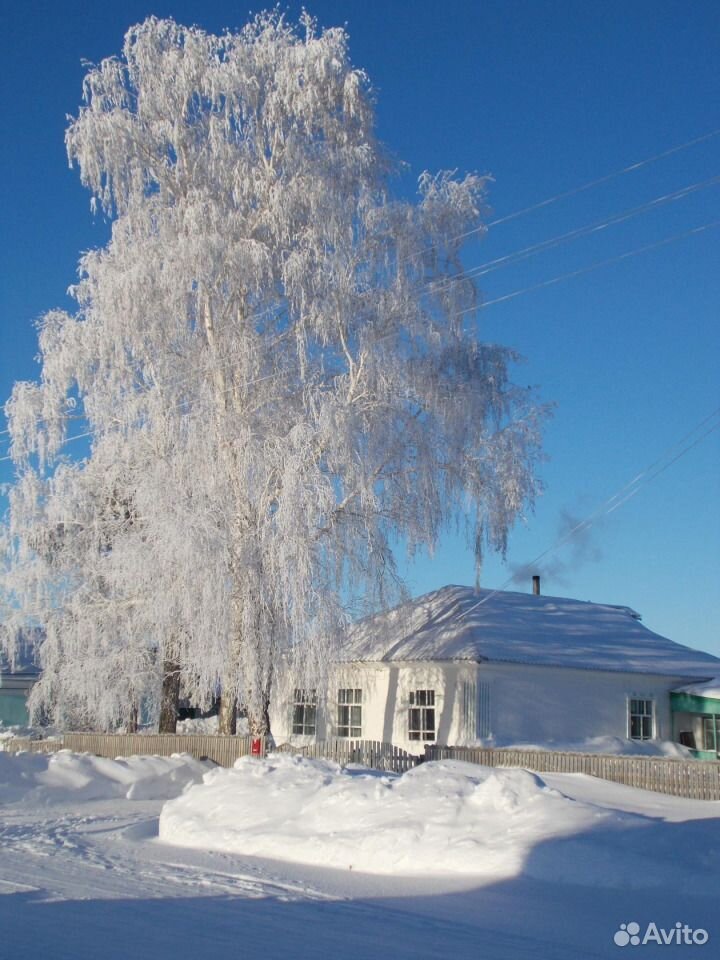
x=421, y=715
x=641, y=716
x=304, y=713
x=349, y=713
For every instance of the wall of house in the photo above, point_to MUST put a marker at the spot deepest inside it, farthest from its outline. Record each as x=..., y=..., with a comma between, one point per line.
x=532, y=703
x=379, y=690
x=386, y=695
x=506, y=702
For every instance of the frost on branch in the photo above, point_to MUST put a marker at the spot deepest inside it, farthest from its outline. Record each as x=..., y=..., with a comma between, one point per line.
x=278, y=366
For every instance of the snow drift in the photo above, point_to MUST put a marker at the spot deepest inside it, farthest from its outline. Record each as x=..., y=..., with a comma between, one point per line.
x=68, y=777
x=445, y=817
x=608, y=745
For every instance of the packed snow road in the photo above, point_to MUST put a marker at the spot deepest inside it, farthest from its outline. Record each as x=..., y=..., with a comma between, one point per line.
x=80, y=887
x=84, y=875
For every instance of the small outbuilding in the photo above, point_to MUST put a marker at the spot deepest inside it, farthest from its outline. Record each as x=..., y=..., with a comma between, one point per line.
x=16, y=682
x=460, y=665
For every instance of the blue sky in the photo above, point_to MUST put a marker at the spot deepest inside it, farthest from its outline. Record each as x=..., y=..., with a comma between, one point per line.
x=545, y=96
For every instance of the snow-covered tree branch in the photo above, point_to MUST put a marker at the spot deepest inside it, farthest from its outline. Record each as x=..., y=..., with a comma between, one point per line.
x=279, y=369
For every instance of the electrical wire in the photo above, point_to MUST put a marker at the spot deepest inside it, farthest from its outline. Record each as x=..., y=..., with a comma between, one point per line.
x=528, y=251
x=491, y=265
x=573, y=191
x=522, y=254
x=592, y=183
x=621, y=217
x=621, y=496
x=596, y=265
x=509, y=296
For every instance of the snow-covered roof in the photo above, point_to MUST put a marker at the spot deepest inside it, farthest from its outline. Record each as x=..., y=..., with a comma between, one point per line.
x=453, y=624
x=708, y=688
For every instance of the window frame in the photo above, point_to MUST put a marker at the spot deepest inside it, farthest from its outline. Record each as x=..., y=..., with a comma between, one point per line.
x=349, y=713
x=711, y=724
x=421, y=715
x=637, y=711
x=304, y=713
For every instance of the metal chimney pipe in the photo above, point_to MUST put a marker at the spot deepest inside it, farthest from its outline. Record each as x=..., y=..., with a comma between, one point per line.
x=536, y=585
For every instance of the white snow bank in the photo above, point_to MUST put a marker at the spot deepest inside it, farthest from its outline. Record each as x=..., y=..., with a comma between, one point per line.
x=615, y=746
x=209, y=725
x=32, y=733
x=198, y=725
x=68, y=777
x=11, y=732
x=446, y=817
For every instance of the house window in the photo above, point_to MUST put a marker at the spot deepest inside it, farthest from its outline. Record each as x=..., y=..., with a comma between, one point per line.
x=349, y=712
x=711, y=734
x=305, y=712
x=421, y=721
x=641, y=715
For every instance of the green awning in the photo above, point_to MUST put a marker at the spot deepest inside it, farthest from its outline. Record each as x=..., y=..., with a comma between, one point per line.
x=689, y=703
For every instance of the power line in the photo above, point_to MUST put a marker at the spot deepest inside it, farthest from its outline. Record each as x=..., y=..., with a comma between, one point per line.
x=573, y=191
x=78, y=436
x=608, y=506
x=491, y=265
x=547, y=244
x=631, y=488
x=621, y=496
x=517, y=255
x=509, y=296
x=600, y=180
x=596, y=265
x=522, y=254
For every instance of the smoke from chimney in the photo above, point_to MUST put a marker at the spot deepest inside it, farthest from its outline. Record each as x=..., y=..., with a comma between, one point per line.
x=579, y=548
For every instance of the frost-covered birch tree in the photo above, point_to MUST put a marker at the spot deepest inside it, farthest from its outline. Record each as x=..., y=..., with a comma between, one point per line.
x=279, y=367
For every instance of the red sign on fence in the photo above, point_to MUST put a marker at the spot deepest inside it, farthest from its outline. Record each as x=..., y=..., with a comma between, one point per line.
x=256, y=747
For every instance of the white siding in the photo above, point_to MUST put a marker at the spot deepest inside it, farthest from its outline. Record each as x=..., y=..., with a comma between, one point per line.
x=509, y=702
x=484, y=715
x=534, y=704
x=468, y=707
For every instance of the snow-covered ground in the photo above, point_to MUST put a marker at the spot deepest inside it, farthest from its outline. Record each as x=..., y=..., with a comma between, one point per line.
x=506, y=864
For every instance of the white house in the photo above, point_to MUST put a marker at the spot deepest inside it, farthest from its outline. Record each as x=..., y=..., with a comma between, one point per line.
x=459, y=665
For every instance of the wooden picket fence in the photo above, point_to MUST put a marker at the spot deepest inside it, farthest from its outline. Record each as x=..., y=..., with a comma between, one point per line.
x=220, y=749
x=368, y=753
x=223, y=750
x=694, y=779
